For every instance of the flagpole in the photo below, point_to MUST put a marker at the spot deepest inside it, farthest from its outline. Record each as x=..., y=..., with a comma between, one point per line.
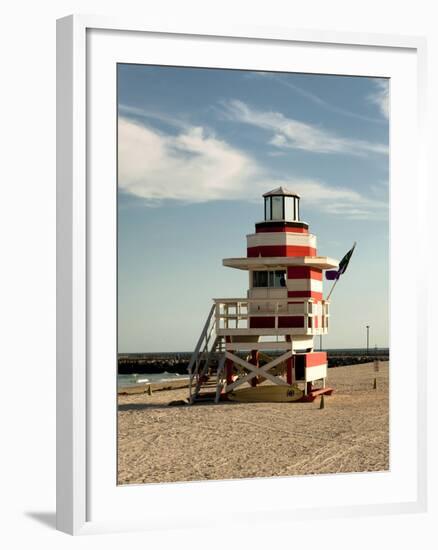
x=331, y=290
x=343, y=267
x=327, y=299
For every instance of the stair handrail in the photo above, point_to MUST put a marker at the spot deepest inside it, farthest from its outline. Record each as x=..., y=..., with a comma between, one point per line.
x=195, y=353
x=201, y=338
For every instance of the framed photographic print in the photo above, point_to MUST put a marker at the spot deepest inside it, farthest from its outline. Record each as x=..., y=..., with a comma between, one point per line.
x=239, y=213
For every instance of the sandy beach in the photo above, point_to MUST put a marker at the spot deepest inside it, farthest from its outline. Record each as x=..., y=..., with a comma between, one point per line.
x=158, y=443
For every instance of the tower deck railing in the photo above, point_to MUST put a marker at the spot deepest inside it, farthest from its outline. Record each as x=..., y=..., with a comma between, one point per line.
x=268, y=316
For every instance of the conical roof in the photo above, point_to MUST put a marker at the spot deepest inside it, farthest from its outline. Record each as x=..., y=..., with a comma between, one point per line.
x=281, y=191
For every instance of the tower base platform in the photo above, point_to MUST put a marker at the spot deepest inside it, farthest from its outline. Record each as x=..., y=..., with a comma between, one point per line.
x=312, y=395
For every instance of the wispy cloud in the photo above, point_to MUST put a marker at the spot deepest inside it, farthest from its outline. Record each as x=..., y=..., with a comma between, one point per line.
x=139, y=114
x=316, y=99
x=195, y=166
x=289, y=133
x=380, y=96
x=339, y=200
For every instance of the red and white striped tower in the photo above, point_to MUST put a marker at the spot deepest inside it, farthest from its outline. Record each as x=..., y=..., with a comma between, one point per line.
x=284, y=308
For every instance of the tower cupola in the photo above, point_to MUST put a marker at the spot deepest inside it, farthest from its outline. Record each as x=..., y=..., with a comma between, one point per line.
x=282, y=205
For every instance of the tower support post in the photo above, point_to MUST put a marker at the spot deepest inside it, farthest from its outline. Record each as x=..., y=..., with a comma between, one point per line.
x=290, y=365
x=254, y=361
x=229, y=371
x=290, y=371
x=228, y=366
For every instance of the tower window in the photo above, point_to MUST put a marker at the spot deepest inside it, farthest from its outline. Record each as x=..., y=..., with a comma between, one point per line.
x=277, y=208
x=269, y=279
x=289, y=212
x=267, y=208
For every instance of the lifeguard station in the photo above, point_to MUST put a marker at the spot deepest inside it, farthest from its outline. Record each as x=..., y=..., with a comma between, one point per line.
x=262, y=345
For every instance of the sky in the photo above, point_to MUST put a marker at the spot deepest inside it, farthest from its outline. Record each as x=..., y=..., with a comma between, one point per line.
x=197, y=148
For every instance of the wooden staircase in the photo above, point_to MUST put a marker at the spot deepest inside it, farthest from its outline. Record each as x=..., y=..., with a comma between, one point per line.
x=205, y=384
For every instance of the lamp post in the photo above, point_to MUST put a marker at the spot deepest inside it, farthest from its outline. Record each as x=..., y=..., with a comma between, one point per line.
x=368, y=339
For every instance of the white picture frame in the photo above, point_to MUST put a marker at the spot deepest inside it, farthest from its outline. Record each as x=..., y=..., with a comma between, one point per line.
x=88, y=500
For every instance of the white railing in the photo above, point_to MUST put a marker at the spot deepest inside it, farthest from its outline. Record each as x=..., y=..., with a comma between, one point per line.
x=234, y=314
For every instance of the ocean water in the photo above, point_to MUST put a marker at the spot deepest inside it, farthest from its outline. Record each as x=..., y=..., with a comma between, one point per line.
x=124, y=380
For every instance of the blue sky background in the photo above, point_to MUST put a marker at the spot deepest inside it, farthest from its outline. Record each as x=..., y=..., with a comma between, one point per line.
x=198, y=148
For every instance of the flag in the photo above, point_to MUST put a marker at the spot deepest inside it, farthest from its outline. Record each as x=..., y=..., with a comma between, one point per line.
x=343, y=264
x=332, y=275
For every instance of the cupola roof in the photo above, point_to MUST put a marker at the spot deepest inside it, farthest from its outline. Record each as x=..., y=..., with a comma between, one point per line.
x=281, y=191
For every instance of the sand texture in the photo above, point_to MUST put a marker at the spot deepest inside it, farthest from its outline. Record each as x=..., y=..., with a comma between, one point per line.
x=158, y=443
